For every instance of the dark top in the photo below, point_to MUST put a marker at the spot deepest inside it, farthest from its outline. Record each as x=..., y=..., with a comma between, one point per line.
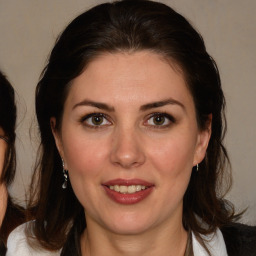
x=14, y=216
x=240, y=239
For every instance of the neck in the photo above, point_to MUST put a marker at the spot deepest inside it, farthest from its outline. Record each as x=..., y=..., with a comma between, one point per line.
x=3, y=202
x=168, y=240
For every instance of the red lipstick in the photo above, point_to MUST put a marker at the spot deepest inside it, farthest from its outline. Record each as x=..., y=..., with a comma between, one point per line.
x=128, y=198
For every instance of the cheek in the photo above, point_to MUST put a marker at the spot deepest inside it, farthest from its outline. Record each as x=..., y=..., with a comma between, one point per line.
x=173, y=155
x=85, y=156
x=2, y=156
x=85, y=160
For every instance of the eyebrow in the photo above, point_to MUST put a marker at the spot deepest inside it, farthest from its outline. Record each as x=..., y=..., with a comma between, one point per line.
x=98, y=105
x=162, y=103
x=145, y=107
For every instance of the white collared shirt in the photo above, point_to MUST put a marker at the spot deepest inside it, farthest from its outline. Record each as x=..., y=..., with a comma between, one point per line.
x=214, y=242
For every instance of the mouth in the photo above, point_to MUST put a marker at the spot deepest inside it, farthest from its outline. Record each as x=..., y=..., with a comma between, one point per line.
x=128, y=191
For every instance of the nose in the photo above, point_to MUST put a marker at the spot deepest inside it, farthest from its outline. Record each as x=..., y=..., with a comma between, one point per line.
x=127, y=150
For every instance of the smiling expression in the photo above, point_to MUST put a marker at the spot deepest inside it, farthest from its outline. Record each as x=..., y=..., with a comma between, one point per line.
x=129, y=139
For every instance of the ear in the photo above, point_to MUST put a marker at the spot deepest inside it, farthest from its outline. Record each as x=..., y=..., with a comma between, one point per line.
x=57, y=137
x=203, y=141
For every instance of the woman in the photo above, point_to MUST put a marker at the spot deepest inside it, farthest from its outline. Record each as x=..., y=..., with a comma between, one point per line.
x=131, y=117
x=10, y=215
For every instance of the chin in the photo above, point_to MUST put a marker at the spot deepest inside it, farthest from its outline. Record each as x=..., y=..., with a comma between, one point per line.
x=129, y=230
x=130, y=225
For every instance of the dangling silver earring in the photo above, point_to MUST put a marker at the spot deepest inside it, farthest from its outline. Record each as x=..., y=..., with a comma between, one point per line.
x=65, y=174
x=197, y=167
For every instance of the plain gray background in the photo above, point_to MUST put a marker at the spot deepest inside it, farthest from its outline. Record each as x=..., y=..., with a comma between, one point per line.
x=29, y=28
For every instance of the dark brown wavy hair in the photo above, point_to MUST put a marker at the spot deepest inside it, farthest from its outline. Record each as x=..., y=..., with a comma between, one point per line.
x=8, y=123
x=128, y=26
x=14, y=215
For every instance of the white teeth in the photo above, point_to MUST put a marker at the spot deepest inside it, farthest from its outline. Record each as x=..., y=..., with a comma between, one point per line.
x=138, y=187
x=131, y=189
x=123, y=189
x=127, y=189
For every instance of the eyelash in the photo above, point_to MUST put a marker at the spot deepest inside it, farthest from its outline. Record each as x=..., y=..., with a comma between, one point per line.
x=170, y=118
x=87, y=117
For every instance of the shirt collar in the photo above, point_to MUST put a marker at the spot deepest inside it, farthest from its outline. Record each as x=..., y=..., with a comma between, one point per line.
x=214, y=242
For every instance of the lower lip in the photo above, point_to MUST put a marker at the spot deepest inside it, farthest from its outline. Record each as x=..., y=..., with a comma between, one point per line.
x=128, y=198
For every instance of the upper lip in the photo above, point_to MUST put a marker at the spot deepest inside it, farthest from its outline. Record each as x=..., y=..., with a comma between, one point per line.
x=127, y=182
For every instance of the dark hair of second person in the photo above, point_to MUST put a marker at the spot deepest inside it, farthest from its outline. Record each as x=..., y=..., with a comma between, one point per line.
x=13, y=214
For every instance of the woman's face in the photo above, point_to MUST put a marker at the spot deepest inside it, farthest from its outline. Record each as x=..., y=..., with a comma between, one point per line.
x=3, y=147
x=129, y=139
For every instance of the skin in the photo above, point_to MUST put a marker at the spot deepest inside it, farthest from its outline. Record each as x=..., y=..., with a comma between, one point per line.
x=3, y=190
x=129, y=144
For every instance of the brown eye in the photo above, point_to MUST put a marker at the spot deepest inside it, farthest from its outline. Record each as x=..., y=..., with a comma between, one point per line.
x=97, y=120
x=159, y=120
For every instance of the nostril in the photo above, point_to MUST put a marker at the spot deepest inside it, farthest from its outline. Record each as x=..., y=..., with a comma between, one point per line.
x=127, y=160
x=127, y=150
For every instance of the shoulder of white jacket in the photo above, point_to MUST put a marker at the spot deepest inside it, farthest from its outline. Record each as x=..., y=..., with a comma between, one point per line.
x=17, y=244
x=214, y=242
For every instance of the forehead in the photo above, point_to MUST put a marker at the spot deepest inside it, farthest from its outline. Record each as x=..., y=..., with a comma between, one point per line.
x=131, y=78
